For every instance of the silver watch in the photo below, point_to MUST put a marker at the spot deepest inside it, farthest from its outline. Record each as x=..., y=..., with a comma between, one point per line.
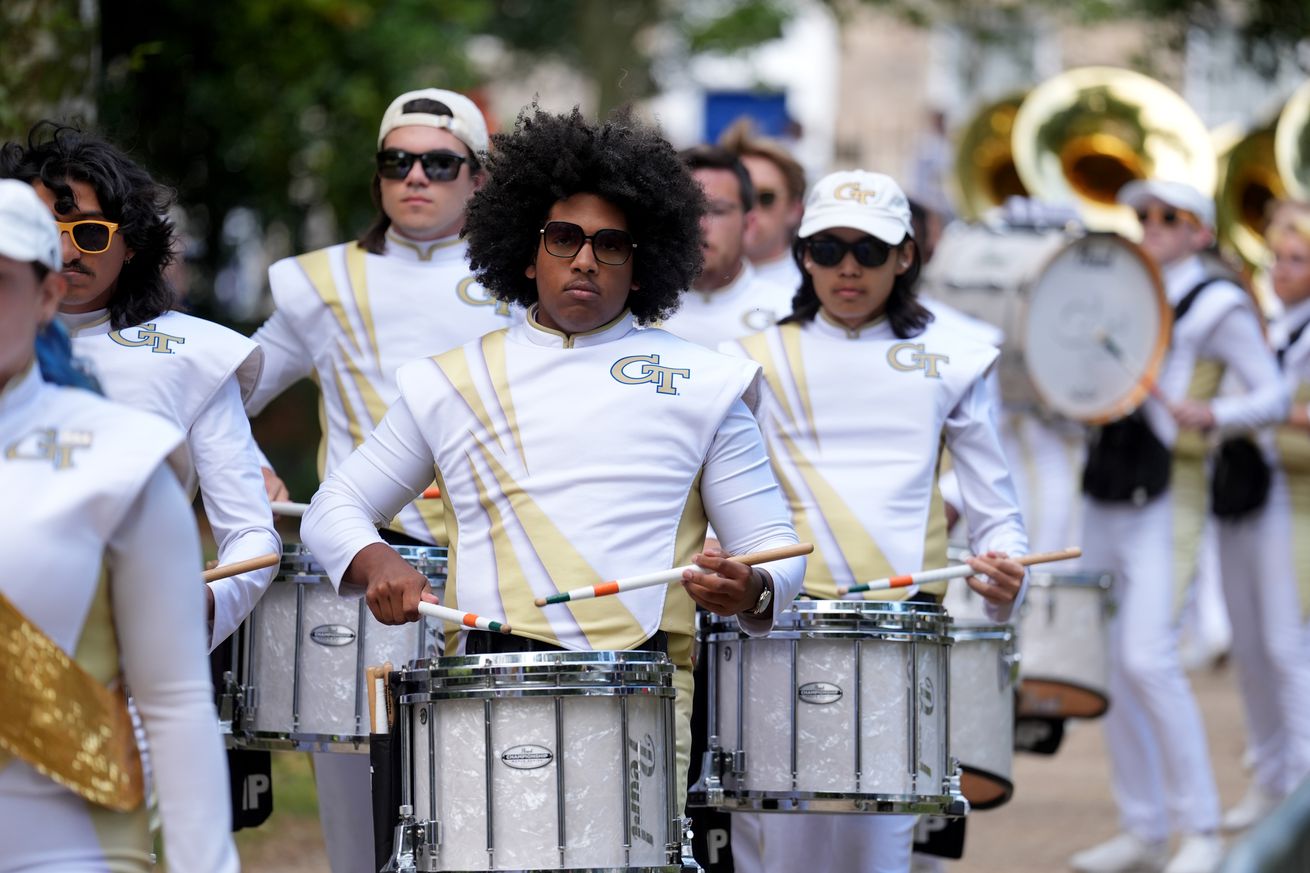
x=761, y=606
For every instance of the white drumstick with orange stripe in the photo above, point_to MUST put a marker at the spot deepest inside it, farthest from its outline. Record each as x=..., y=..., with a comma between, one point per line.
x=459, y=616
x=669, y=577
x=923, y=577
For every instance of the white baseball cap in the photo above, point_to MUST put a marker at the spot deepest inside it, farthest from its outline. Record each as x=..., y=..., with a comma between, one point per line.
x=1179, y=195
x=27, y=229
x=871, y=202
x=464, y=119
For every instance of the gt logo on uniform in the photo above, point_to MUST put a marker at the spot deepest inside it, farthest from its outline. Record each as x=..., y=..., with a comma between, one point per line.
x=917, y=359
x=640, y=369
x=466, y=289
x=147, y=335
x=49, y=444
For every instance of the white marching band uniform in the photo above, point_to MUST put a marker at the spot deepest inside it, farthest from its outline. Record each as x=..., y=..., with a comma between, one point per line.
x=655, y=437
x=745, y=305
x=780, y=271
x=350, y=319
x=1160, y=771
x=196, y=374
x=1260, y=577
x=120, y=596
x=854, y=421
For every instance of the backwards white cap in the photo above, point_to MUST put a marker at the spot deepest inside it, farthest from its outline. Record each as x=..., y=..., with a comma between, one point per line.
x=464, y=119
x=1179, y=195
x=27, y=229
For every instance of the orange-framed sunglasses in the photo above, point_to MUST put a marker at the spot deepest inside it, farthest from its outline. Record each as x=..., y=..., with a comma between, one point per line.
x=91, y=235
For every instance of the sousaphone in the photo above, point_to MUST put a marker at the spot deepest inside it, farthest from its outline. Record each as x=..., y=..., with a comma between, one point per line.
x=985, y=175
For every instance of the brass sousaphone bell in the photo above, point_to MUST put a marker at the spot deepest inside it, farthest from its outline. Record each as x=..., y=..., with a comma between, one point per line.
x=1081, y=136
x=985, y=175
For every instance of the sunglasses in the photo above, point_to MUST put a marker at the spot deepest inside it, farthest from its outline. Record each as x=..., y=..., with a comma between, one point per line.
x=91, y=236
x=766, y=198
x=564, y=239
x=1168, y=216
x=827, y=251
x=437, y=166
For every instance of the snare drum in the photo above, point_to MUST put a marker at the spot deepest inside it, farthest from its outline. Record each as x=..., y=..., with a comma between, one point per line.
x=300, y=657
x=984, y=671
x=1064, y=636
x=842, y=708
x=538, y=761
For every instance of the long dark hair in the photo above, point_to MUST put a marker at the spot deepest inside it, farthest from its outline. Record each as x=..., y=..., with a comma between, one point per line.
x=56, y=154
x=907, y=315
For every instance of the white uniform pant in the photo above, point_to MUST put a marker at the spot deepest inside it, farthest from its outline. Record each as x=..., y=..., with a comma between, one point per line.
x=1045, y=460
x=345, y=810
x=819, y=843
x=1160, y=764
x=1264, y=606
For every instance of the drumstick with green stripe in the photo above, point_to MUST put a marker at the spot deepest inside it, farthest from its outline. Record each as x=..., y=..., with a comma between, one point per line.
x=669, y=577
x=959, y=572
x=459, y=616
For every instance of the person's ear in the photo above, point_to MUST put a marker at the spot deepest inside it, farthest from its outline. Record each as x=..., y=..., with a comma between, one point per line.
x=904, y=256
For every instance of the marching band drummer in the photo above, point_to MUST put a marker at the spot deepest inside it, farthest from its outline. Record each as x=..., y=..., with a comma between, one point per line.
x=1262, y=560
x=98, y=552
x=1144, y=528
x=864, y=388
x=578, y=445
x=350, y=315
x=116, y=243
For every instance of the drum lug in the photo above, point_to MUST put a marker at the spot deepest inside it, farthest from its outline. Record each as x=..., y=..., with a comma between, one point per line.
x=227, y=701
x=710, y=783
x=958, y=806
x=687, y=859
x=738, y=762
x=415, y=843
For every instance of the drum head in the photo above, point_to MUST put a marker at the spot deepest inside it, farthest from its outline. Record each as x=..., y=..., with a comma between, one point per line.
x=1097, y=330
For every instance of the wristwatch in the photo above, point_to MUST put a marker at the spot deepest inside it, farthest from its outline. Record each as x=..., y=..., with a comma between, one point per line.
x=762, y=605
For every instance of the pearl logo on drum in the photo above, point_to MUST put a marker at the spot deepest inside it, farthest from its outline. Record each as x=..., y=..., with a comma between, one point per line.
x=526, y=757
x=641, y=768
x=819, y=693
x=332, y=635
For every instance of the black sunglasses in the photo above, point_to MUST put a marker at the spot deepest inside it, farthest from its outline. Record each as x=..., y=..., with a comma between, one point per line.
x=829, y=251
x=437, y=166
x=1168, y=216
x=564, y=239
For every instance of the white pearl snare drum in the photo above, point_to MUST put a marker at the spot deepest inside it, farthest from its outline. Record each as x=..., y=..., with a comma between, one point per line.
x=1064, y=637
x=984, y=673
x=538, y=761
x=299, y=659
x=842, y=708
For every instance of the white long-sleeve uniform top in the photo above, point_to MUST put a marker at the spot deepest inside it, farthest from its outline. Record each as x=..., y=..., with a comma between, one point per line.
x=195, y=374
x=1293, y=444
x=855, y=421
x=99, y=550
x=1221, y=326
x=780, y=271
x=745, y=305
x=351, y=319
x=567, y=461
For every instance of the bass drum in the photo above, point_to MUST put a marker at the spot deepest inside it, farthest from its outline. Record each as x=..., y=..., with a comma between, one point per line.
x=1085, y=318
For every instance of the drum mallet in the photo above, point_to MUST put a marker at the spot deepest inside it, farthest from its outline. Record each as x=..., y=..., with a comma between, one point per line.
x=296, y=510
x=925, y=576
x=1116, y=351
x=459, y=616
x=669, y=577
x=236, y=568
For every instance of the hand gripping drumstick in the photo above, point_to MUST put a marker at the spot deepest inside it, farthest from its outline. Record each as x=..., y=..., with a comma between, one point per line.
x=236, y=568
x=668, y=577
x=459, y=616
x=960, y=572
x=296, y=510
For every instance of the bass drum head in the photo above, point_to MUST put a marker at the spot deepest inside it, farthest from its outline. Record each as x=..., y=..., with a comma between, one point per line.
x=1097, y=330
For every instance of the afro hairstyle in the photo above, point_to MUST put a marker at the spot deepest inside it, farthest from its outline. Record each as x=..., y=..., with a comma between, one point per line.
x=549, y=158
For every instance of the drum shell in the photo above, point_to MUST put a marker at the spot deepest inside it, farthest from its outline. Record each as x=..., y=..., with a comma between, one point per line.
x=984, y=676
x=302, y=653
x=1064, y=638
x=842, y=708
x=555, y=759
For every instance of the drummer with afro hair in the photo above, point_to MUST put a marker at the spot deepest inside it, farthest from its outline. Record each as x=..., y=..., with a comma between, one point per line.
x=580, y=445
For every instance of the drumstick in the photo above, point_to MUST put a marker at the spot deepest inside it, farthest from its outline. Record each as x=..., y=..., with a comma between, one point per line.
x=668, y=577
x=290, y=508
x=459, y=616
x=236, y=568
x=925, y=576
x=1116, y=351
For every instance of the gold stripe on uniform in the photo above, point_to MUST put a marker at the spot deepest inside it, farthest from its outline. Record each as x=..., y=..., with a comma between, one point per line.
x=757, y=347
x=317, y=266
x=493, y=352
x=454, y=365
x=357, y=275
x=791, y=346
